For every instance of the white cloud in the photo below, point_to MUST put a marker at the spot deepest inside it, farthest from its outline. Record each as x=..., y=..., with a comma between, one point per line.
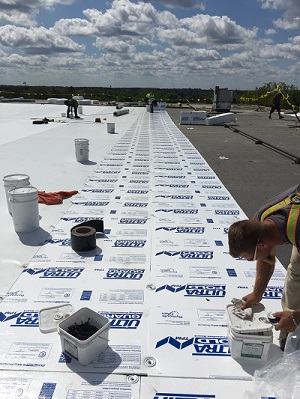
x=270, y=31
x=291, y=17
x=36, y=40
x=219, y=30
x=21, y=12
x=74, y=26
x=283, y=51
x=114, y=45
x=130, y=42
x=181, y=3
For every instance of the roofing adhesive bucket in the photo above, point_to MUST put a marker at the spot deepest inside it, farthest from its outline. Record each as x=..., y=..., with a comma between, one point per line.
x=82, y=150
x=110, y=128
x=25, y=208
x=249, y=339
x=12, y=181
x=92, y=339
x=80, y=109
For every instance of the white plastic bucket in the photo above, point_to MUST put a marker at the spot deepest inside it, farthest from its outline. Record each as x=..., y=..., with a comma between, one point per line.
x=88, y=349
x=249, y=339
x=80, y=109
x=82, y=150
x=12, y=181
x=110, y=128
x=250, y=346
x=25, y=208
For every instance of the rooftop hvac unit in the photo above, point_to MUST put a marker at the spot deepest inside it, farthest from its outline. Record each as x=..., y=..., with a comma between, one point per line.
x=222, y=100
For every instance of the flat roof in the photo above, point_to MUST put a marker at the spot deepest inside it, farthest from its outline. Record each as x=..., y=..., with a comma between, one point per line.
x=160, y=273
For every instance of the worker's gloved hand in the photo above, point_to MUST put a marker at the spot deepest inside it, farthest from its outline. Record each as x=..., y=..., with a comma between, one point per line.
x=251, y=299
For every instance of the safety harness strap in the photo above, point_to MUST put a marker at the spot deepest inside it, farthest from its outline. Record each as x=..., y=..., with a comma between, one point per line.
x=293, y=218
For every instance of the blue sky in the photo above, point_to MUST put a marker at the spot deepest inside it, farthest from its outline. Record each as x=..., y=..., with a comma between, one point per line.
x=239, y=44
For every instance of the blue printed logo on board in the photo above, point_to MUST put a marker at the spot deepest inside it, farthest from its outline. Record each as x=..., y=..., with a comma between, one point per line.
x=137, y=191
x=124, y=274
x=179, y=211
x=231, y=212
x=109, y=172
x=188, y=254
x=55, y=272
x=78, y=219
x=203, y=345
x=132, y=221
x=198, y=290
x=170, y=177
x=124, y=320
x=136, y=204
x=62, y=242
x=26, y=318
x=139, y=181
x=98, y=190
x=273, y=293
x=92, y=203
x=218, y=198
x=172, y=185
x=182, y=229
x=186, y=197
x=211, y=186
x=130, y=243
x=103, y=180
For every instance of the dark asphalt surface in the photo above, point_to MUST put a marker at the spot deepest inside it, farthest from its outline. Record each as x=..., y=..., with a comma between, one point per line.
x=253, y=173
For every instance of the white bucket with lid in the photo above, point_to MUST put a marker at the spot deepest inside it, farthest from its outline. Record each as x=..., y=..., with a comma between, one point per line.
x=80, y=109
x=82, y=150
x=84, y=350
x=25, y=208
x=12, y=181
x=111, y=128
x=249, y=339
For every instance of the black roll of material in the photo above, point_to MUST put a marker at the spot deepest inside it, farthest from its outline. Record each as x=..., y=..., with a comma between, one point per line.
x=83, y=236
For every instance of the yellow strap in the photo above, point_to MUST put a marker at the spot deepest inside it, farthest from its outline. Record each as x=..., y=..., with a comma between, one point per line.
x=292, y=223
x=275, y=208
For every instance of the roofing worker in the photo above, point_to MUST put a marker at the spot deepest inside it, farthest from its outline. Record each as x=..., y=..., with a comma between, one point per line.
x=275, y=223
x=72, y=105
x=276, y=105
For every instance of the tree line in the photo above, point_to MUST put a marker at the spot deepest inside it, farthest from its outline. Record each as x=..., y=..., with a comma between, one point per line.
x=171, y=95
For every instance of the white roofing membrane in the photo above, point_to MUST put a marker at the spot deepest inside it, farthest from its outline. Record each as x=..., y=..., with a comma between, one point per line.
x=161, y=274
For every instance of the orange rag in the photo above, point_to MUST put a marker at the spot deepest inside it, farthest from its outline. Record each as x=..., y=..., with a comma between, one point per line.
x=54, y=198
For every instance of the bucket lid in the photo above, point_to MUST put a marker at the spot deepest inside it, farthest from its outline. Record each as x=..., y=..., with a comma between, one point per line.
x=15, y=177
x=259, y=322
x=49, y=318
x=23, y=191
x=81, y=140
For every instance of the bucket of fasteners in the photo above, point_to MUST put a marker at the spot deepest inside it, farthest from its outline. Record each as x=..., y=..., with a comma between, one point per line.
x=84, y=335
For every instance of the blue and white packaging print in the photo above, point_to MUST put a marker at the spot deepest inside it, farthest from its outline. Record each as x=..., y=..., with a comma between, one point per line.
x=161, y=274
